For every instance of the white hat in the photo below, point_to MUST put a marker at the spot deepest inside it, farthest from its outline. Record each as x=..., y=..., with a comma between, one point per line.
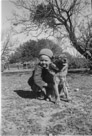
x=46, y=52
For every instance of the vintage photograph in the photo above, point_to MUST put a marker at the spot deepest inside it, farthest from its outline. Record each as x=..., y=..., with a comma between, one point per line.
x=46, y=67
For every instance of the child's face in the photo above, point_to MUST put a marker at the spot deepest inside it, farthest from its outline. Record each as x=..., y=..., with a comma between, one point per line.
x=45, y=61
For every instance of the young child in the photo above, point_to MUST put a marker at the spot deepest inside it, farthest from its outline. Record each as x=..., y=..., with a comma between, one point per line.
x=61, y=70
x=42, y=78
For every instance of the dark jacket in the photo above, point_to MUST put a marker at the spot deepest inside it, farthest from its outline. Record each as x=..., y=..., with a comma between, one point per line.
x=40, y=77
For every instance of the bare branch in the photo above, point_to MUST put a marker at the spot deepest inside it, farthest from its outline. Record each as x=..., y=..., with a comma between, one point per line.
x=54, y=15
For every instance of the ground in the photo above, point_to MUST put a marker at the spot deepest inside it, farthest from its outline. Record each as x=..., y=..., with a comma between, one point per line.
x=22, y=115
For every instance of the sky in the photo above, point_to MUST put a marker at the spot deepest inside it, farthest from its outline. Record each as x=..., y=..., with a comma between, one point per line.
x=6, y=12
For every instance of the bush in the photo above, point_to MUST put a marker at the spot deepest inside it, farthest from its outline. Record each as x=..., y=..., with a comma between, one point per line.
x=78, y=63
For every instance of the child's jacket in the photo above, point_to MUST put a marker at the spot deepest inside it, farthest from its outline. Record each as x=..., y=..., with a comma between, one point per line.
x=40, y=77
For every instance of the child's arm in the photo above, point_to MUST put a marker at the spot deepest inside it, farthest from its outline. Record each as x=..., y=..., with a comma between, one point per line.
x=37, y=77
x=53, y=68
x=64, y=69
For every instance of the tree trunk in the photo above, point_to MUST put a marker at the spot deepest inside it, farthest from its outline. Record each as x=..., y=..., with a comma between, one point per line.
x=78, y=47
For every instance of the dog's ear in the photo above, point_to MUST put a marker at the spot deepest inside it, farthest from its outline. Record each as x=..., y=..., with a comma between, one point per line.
x=53, y=58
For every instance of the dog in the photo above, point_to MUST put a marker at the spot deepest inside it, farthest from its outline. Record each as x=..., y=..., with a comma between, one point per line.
x=60, y=68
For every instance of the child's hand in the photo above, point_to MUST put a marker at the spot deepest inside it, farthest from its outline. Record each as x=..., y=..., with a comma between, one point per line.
x=52, y=72
x=44, y=90
x=45, y=84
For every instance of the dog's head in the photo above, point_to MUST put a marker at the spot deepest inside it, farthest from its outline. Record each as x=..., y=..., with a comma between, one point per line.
x=59, y=61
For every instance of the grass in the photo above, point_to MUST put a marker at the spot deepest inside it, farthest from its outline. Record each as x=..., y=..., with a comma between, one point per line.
x=22, y=115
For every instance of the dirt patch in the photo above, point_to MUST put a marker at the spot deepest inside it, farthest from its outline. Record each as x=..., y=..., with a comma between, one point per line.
x=22, y=115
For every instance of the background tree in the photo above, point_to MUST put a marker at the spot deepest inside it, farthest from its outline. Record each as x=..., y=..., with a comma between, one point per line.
x=30, y=50
x=54, y=15
x=85, y=36
x=6, y=46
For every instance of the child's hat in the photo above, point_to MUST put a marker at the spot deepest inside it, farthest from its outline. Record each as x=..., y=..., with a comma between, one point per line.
x=46, y=52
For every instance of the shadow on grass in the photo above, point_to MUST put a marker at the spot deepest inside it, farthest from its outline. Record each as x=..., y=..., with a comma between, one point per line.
x=25, y=94
x=30, y=95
